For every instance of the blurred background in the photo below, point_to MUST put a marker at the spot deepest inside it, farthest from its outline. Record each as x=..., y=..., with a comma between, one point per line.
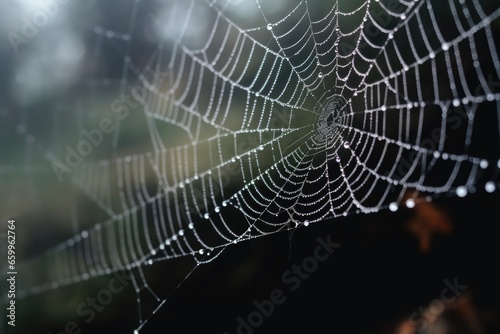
x=64, y=64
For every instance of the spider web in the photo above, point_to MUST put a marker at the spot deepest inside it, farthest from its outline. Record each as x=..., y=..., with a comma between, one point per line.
x=238, y=119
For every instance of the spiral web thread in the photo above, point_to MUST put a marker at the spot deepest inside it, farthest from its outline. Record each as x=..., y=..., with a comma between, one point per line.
x=298, y=116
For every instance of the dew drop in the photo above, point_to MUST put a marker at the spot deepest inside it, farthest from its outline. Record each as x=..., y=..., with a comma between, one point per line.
x=410, y=203
x=257, y=94
x=456, y=102
x=201, y=251
x=217, y=209
x=206, y=216
x=306, y=223
x=191, y=226
x=445, y=46
x=484, y=164
x=393, y=206
x=490, y=187
x=461, y=191
x=346, y=144
x=269, y=26
x=320, y=75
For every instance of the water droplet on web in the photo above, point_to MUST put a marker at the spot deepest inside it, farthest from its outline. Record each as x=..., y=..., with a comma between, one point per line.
x=206, y=216
x=181, y=232
x=201, y=251
x=337, y=158
x=191, y=226
x=436, y=154
x=217, y=209
x=320, y=75
x=461, y=191
x=306, y=223
x=490, y=97
x=484, y=164
x=346, y=144
x=490, y=187
x=393, y=206
x=269, y=26
x=410, y=203
x=456, y=102
x=257, y=94
x=391, y=36
x=403, y=17
x=445, y=46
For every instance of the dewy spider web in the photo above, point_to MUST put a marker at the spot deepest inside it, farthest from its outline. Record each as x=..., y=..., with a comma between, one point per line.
x=257, y=117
